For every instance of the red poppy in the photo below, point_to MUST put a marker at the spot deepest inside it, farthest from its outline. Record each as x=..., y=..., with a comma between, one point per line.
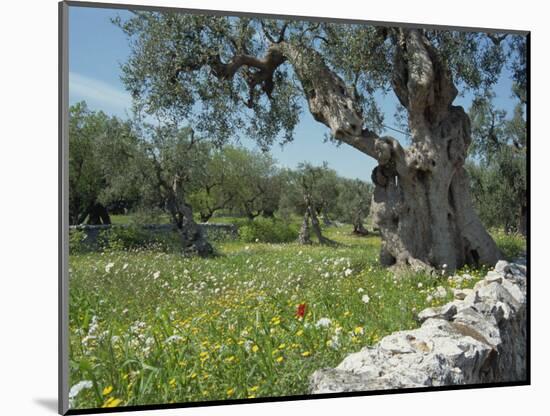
x=301, y=311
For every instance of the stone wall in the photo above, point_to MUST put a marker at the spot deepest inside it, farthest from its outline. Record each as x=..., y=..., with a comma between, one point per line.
x=480, y=337
x=213, y=230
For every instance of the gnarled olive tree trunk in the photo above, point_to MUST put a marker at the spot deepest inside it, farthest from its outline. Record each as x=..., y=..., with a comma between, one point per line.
x=305, y=237
x=421, y=203
x=191, y=235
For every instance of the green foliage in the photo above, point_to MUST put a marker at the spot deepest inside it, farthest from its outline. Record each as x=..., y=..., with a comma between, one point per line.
x=238, y=180
x=182, y=66
x=512, y=245
x=354, y=201
x=135, y=237
x=165, y=75
x=498, y=180
x=319, y=183
x=268, y=230
x=98, y=149
x=77, y=242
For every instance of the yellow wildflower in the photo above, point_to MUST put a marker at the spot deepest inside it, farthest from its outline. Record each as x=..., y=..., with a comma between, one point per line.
x=279, y=359
x=112, y=402
x=255, y=348
x=107, y=390
x=230, y=392
x=306, y=353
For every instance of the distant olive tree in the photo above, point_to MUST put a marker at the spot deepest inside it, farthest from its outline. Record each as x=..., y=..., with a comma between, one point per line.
x=498, y=169
x=354, y=203
x=100, y=146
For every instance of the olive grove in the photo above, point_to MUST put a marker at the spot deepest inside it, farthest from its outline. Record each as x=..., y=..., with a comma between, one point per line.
x=230, y=77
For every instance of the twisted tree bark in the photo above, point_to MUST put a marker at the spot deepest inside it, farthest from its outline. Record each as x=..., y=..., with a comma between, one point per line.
x=191, y=235
x=421, y=202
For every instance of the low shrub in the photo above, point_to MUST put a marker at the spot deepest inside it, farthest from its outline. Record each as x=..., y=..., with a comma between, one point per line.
x=77, y=243
x=264, y=230
x=135, y=237
x=512, y=245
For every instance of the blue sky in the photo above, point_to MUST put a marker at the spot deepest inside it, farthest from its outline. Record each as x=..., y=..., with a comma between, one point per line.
x=97, y=48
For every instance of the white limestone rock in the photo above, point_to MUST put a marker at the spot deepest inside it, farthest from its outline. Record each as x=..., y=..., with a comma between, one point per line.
x=480, y=337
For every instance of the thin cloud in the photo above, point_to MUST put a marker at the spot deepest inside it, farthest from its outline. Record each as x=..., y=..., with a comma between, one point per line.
x=98, y=94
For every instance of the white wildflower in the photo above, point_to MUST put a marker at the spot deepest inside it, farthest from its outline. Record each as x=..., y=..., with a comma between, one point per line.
x=156, y=275
x=334, y=342
x=419, y=285
x=109, y=267
x=323, y=323
x=360, y=290
x=78, y=387
x=429, y=298
x=365, y=299
x=440, y=292
x=172, y=339
x=348, y=272
x=124, y=266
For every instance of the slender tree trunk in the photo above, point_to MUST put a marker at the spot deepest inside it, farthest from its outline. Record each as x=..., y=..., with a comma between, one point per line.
x=358, y=227
x=326, y=220
x=421, y=202
x=315, y=223
x=304, y=236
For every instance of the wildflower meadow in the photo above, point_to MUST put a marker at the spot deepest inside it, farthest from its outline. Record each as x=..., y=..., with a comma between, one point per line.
x=149, y=326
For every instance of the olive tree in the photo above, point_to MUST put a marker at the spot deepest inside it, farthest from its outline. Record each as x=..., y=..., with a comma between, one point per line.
x=213, y=187
x=231, y=76
x=99, y=148
x=255, y=181
x=161, y=170
x=354, y=203
x=310, y=185
x=498, y=168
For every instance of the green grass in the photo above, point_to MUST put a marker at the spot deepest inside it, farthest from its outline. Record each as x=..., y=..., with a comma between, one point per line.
x=174, y=329
x=512, y=245
x=121, y=219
